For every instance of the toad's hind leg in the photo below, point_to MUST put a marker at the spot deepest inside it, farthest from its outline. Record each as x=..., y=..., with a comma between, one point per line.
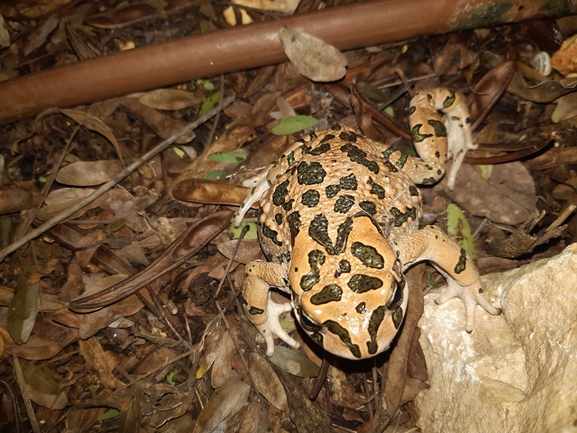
x=463, y=281
x=261, y=310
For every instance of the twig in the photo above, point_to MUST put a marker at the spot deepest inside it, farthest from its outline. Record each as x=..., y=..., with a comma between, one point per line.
x=113, y=182
x=25, y=395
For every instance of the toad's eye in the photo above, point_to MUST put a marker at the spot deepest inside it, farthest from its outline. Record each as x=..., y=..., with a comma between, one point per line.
x=397, y=295
x=307, y=323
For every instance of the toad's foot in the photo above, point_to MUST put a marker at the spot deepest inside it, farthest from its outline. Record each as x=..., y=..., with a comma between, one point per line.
x=272, y=327
x=471, y=296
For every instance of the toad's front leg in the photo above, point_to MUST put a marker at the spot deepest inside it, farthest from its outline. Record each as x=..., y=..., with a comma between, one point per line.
x=463, y=281
x=261, y=310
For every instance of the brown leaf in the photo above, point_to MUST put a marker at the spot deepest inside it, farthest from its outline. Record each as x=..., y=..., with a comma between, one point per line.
x=508, y=197
x=23, y=307
x=248, y=251
x=88, y=173
x=210, y=192
x=42, y=388
x=293, y=362
x=267, y=382
x=129, y=419
x=97, y=359
x=169, y=99
x=17, y=199
x=488, y=91
x=314, y=58
x=229, y=399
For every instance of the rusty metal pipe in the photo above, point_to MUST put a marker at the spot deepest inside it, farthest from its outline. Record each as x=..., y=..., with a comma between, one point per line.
x=255, y=45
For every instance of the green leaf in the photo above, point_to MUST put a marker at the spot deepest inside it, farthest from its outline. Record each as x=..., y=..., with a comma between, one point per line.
x=112, y=413
x=458, y=227
x=486, y=171
x=291, y=124
x=208, y=85
x=209, y=104
x=170, y=376
x=251, y=234
x=233, y=157
x=390, y=111
x=216, y=175
x=178, y=151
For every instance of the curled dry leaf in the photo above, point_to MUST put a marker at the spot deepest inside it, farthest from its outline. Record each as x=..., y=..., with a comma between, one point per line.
x=565, y=59
x=169, y=99
x=566, y=108
x=229, y=399
x=267, y=382
x=100, y=361
x=210, y=192
x=88, y=173
x=544, y=92
x=313, y=57
x=488, y=91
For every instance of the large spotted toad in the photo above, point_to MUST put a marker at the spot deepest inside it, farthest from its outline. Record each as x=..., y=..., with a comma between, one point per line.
x=339, y=224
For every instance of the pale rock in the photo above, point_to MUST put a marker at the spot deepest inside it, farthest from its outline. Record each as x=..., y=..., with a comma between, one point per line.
x=515, y=373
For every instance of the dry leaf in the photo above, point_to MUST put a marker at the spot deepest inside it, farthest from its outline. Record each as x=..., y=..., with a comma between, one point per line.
x=42, y=388
x=24, y=306
x=169, y=99
x=313, y=58
x=224, y=404
x=88, y=173
x=267, y=382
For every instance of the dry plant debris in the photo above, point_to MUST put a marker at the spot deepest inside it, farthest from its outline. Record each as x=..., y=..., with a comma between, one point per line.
x=124, y=314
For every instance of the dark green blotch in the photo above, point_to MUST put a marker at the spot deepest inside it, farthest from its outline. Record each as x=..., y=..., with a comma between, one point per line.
x=374, y=323
x=390, y=166
x=279, y=194
x=288, y=205
x=360, y=283
x=358, y=156
x=343, y=334
x=318, y=231
x=327, y=138
x=449, y=100
x=336, y=127
x=278, y=218
x=294, y=222
x=317, y=338
x=316, y=260
x=368, y=255
x=440, y=130
x=253, y=311
x=397, y=317
x=330, y=293
x=291, y=158
x=412, y=109
x=376, y=189
x=344, y=268
x=369, y=207
x=310, y=174
x=271, y=234
x=348, y=136
x=416, y=134
x=344, y=203
x=462, y=263
x=401, y=218
x=310, y=198
x=361, y=308
x=323, y=148
x=348, y=182
x=402, y=160
x=388, y=152
x=413, y=191
x=332, y=190
x=429, y=181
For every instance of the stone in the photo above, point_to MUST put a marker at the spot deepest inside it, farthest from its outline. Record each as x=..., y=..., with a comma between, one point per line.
x=514, y=373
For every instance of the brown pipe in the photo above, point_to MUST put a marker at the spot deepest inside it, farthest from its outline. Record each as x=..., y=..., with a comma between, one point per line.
x=239, y=48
